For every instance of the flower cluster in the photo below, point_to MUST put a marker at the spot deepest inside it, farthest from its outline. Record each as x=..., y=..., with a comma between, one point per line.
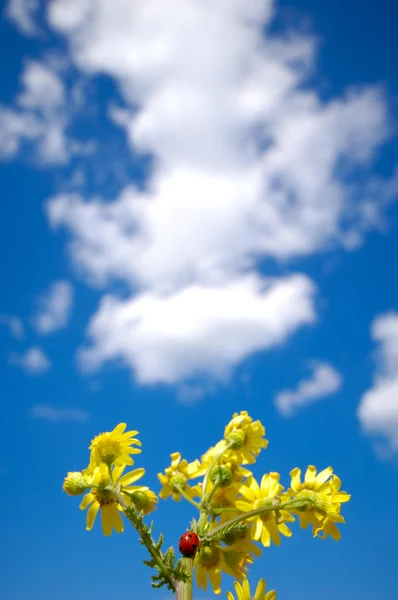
x=237, y=514
x=105, y=485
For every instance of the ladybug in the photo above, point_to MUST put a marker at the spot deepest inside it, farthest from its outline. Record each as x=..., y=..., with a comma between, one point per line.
x=189, y=543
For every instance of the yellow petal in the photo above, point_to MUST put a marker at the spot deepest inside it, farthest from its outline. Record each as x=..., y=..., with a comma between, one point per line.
x=88, y=498
x=116, y=519
x=106, y=519
x=310, y=475
x=215, y=579
x=284, y=530
x=243, y=506
x=261, y=587
x=118, y=430
x=132, y=476
x=295, y=474
x=238, y=591
x=257, y=529
x=323, y=476
x=91, y=514
x=265, y=537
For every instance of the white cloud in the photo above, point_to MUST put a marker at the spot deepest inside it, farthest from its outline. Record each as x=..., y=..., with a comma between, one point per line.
x=33, y=361
x=378, y=409
x=54, y=308
x=324, y=382
x=39, y=117
x=249, y=163
x=14, y=325
x=22, y=13
x=199, y=330
x=47, y=412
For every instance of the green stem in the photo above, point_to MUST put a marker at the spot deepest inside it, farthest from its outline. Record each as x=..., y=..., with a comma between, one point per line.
x=291, y=505
x=213, y=489
x=185, y=495
x=146, y=538
x=184, y=588
x=212, y=465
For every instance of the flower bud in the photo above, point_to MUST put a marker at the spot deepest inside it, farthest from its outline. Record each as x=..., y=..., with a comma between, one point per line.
x=144, y=500
x=75, y=484
x=222, y=475
x=236, y=438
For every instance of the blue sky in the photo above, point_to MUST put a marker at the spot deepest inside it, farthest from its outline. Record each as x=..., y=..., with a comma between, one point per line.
x=199, y=218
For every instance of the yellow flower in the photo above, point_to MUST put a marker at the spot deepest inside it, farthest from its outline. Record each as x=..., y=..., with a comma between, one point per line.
x=267, y=526
x=114, y=447
x=243, y=592
x=179, y=472
x=323, y=490
x=227, y=469
x=246, y=437
x=75, y=483
x=210, y=562
x=101, y=498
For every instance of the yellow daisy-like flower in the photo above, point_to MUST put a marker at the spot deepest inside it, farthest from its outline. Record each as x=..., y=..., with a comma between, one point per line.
x=323, y=489
x=101, y=499
x=267, y=526
x=210, y=562
x=246, y=437
x=227, y=469
x=243, y=592
x=114, y=447
x=177, y=475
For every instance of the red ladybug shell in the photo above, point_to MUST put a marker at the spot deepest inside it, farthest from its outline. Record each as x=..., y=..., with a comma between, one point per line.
x=189, y=543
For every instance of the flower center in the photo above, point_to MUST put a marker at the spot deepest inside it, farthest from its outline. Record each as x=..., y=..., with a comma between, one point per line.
x=104, y=496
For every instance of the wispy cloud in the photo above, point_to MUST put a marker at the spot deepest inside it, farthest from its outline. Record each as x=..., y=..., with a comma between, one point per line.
x=22, y=13
x=15, y=326
x=47, y=412
x=33, y=361
x=378, y=409
x=54, y=308
x=324, y=382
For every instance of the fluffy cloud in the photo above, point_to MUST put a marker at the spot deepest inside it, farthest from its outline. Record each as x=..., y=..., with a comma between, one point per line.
x=248, y=163
x=166, y=339
x=22, y=13
x=378, y=409
x=324, y=381
x=54, y=308
x=33, y=361
x=47, y=412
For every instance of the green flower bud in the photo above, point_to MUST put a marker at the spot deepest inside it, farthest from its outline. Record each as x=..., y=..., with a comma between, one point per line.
x=75, y=484
x=222, y=475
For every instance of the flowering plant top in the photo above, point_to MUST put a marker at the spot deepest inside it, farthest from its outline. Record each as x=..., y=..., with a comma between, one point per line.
x=237, y=515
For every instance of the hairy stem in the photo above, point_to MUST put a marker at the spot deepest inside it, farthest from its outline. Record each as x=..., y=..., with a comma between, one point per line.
x=184, y=588
x=291, y=505
x=146, y=538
